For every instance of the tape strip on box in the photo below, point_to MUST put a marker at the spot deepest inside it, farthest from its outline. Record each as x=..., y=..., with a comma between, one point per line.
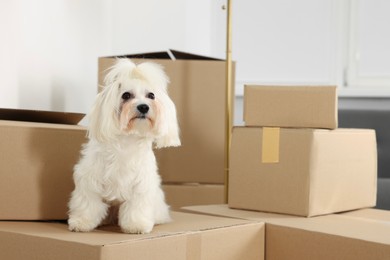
x=270, y=145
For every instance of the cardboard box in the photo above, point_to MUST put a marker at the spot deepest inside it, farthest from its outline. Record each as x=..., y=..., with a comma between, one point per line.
x=305, y=172
x=187, y=194
x=189, y=236
x=291, y=106
x=359, y=235
x=36, y=163
x=198, y=89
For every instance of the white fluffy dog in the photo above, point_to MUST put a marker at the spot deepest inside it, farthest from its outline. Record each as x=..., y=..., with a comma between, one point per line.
x=118, y=165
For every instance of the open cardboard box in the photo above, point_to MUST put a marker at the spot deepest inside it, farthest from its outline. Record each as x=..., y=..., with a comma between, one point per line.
x=356, y=235
x=37, y=153
x=189, y=236
x=198, y=89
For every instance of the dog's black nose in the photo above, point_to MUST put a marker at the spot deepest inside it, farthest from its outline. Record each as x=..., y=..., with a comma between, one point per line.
x=143, y=108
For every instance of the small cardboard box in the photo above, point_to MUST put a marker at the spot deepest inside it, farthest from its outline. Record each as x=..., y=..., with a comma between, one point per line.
x=189, y=236
x=198, y=89
x=188, y=194
x=305, y=172
x=36, y=163
x=291, y=106
x=359, y=235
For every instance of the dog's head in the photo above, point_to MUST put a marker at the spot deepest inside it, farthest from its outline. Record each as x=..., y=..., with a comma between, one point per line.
x=135, y=101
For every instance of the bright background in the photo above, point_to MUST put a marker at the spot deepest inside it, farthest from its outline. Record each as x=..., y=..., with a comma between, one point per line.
x=49, y=48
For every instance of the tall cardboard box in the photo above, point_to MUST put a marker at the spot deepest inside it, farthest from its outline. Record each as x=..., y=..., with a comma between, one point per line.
x=36, y=163
x=357, y=235
x=291, y=106
x=198, y=89
x=305, y=172
x=188, y=236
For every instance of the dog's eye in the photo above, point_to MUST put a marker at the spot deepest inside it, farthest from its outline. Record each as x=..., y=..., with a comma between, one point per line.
x=127, y=96
x=150, y=95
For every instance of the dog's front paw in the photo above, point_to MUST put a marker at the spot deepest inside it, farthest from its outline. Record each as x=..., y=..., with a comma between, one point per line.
x=78, y=224
x=137, y=227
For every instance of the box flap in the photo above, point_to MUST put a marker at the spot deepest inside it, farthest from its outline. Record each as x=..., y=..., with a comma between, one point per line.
x=168, y=55
x=40, y=116
x=148, y=55
x=179, y=55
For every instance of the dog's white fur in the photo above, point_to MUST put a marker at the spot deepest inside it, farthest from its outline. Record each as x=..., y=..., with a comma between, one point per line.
x=118, y=165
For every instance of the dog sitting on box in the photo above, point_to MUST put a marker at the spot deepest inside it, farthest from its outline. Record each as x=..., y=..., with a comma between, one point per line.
x=132, y=114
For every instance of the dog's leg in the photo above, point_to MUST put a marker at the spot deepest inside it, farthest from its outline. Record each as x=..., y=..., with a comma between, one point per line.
x=86, y=210
x=136, y=216
x=161, y=209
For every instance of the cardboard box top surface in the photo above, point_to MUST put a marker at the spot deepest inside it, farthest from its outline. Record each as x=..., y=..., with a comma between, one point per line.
x=374, y=214
x=183, y=223
x=361, y=227
x=40, y=116
x=167, y=55
x=291, y=106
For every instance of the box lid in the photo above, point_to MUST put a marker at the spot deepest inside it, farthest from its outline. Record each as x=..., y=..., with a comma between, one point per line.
x=168, y=55
x=40, y=116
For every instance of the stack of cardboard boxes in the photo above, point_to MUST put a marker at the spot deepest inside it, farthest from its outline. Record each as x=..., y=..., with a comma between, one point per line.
x=39, y=149
x=290, y=158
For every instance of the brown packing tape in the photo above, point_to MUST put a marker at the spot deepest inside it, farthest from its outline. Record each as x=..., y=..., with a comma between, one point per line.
x=270, y=145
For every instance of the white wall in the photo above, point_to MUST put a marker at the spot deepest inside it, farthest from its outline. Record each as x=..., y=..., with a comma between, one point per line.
x=49, y=48
x=155, y=25
x=48, y=53
x=283, y=41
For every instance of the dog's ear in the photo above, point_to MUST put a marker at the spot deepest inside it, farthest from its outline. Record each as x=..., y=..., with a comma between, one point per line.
x=103, y=119
x=169, y=127
x=103, y=125
x=167, y=123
